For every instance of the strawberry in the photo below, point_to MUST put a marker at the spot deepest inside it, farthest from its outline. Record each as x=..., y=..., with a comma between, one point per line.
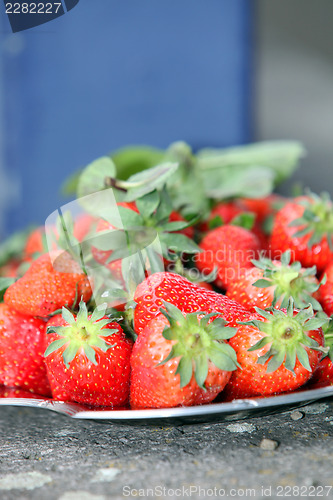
x=21, y=351
x=88, y=358
x=326, y=290
x=185, y=295
x=277, y=351
x=323, y=375
x=230, y=249
x=35, y=244
x=44, y=288
x=305, y=226
x=180, y=360
x=223, y=213
x=263, y=207
x=271, y=283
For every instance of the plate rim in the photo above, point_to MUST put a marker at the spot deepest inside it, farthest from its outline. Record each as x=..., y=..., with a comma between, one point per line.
x=78, y=411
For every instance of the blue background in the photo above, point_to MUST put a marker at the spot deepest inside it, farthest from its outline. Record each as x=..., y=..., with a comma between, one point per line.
x=109, y=73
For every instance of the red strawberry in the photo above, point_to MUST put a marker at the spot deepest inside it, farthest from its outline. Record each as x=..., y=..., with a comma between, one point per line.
x=88, y=358
x=21, y=351
x=305, y=226
x=326, y=290
x=271, y=283
x=323, y=375
x=277, y=351
x=185, y=295
x=10, y=392
x=263, y=207
x=35, y=244
x=230, y=249
x=224, y=212
x=180, y=360
x=45, y=287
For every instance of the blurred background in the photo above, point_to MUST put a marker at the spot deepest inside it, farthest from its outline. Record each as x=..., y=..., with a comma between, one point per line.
x=107, y=74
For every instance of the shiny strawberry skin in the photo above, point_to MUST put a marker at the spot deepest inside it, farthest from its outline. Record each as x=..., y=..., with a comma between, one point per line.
x=323, y=375
x=22, y=351
x=243, y=291
x=230, y=249
x=155, y=386
x=326, y=291
x=283, y=238
x=252, y=379
x=104, y=384
x=185, y=295
x=44, y=289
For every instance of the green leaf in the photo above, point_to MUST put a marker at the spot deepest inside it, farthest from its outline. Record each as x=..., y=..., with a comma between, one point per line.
x=215, y=222
x=98, y=314
x=54, y=346
x=281, y=157
x=93, y=176
x=148, y=203
x=69, y=354
x=221, y=360
x=250, y=182
x=185, y=370
x=262, y=283
x=275, y=362
x=130, y=218
x=201, y=369
x=179, y=243
x=303, y=357
x=173, y=313
x=82, y=315
x=132, y=159
x=147, y=181
x=245, y=220
x=90, y=353
x=68, y=316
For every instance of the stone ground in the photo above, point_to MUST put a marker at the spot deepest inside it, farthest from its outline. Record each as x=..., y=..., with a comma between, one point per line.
x=50, y=456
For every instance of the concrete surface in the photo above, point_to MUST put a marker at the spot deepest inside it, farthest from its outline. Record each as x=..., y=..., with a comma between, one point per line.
x=49, y=456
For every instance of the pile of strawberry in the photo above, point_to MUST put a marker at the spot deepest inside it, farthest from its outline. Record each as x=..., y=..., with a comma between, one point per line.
x=173, y=287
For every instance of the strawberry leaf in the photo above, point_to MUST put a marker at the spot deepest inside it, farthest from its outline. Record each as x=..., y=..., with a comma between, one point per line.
x=93, y=176
x=148, y=203
x=147, y=181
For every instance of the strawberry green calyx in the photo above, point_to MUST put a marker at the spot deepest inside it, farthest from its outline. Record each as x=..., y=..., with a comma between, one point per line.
x=317, y=219
x=82, y=332
x=197, y=343
x=288, y=280
x=286, y=332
